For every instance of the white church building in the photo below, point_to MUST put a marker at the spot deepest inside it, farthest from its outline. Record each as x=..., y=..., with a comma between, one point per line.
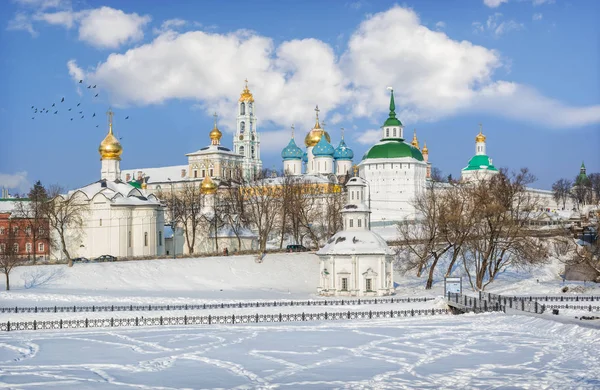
x=119, y=219
x=356, y=261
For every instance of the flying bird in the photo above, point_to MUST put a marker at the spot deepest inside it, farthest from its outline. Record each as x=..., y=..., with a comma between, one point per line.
x=55, y=112
x=82, y=116
x=69, y=109
x=96, y=95
x=62, y=100
x=52, y=104
x=96, y=125
x=94, y=86
x=94, y=115
x=78, y=104
x=32, y=107
x=32, y=117
x=80, y=81
x=81, y=112
x=71, y=118
x=89, y=86
x=127, y=117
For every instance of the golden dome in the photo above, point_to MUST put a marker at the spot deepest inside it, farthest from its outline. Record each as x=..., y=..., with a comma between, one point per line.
x=425, y=150
x=144, y=184
x=314, y=136
x=110, y=148
x=415, y=141
x=246, y=95
x=208, y=186
x=480, y=137
x=215, y=134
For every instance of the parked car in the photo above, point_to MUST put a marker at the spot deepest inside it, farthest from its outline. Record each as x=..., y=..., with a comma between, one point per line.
x=81, y=260
x=105, y=258
x=296, y=248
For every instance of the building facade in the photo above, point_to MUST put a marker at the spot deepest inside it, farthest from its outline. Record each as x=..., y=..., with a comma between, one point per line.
x=16, y=231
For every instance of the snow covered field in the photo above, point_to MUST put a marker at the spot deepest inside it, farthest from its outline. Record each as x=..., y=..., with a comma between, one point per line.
x=468, y=351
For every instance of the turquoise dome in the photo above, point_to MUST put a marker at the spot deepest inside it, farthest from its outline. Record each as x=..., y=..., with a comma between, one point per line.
x=343, y=152
x=305, y=157
x=323, y=149
x=292, y=151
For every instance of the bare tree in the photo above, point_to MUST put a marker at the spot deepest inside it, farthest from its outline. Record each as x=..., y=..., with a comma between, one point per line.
x=437, y=175
x=595, y=185
x=65, y=213
x=33, y=213
x=9, y=253
x=500, y=235
x=214, y=215
x=186, y=205
x=561, y=191
x=233, y=203
x=334, y=203
x=264, y=203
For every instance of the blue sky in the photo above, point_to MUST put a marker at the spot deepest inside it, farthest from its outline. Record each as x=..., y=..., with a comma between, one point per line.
x=526, y=69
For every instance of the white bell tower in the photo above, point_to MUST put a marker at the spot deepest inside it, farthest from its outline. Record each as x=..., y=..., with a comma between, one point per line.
x=246, y=140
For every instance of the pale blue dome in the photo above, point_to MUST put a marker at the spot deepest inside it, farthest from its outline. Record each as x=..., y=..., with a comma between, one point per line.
x=343, y=152
x=292, y=151
x=323, y=149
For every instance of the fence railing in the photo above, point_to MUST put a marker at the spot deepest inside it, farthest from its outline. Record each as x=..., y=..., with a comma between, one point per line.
x=574, y=307
x=332, y=302
x=473, y=304
x=215, y=320
x=545, y=298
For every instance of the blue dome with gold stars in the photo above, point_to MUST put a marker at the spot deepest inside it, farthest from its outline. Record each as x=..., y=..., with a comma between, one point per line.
x=343, y=152
x=292, y=151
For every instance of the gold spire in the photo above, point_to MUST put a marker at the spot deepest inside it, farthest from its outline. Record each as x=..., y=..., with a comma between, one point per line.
x=144, y=184
x=110, y=148
x=314, y=136
x=215, y=134
x=355, y=168
x=208, y=187
x=246, y=95
x=415, y=141
x=425, y=150
x=480, y=137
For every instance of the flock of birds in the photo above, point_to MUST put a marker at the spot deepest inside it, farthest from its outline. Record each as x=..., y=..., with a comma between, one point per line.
x=73, y=112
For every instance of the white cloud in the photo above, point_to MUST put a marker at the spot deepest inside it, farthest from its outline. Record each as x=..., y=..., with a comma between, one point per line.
x=42, y=4
x=537, y=16
x=434, y=76
x=540, y=2
x=170, y=24
x=369, y=137
x=110, y=28
x=103, y=27
x=496, y=26
x=21, y=22
x=17, y=181
x=75, y=71
x=494, y=3
x=440, y=25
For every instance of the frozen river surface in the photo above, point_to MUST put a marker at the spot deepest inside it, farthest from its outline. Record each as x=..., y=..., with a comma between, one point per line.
x=468, y=351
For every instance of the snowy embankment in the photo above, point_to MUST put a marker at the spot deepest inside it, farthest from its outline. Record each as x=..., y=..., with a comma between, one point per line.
x=193, y=280
x=467, y=351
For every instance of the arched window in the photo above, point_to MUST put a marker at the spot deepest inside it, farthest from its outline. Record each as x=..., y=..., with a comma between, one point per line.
x=387, y=132
x=210, y=172
x=250, y=107
x=394, y=132
x=145, y=238
x=243, y=109
x=251, y=126
x=242, y=126
x=242, y=150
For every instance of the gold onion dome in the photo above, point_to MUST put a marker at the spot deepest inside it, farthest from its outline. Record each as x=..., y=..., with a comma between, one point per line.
x=425, y=150
x=415, y=141
x=215, y=134
x=480, y=137
x=246, y=95
x=208, y=186
x=110, y=148
x=314, y=136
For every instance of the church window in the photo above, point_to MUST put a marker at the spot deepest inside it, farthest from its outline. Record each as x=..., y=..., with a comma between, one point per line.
x=387, y=132
x=159, y=238
x=250, y=106
x=28, y=231
x=195, y=173
x=351, y=222
x=394, y=132
x=145, y=238
x=16, y=247
x=242, y=126
x=129, y=239
x=359, y=222
x=242, y=150
x=243, y=109
x=40, y=247
x=210, y=172
x=369, y=284
x=203, y=173
x=100, y=221
x=344, y=284
x=28, y=247
x=251, y=126
x=352, y=193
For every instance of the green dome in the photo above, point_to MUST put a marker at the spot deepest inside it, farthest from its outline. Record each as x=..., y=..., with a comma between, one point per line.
x=480, y=162
x=393, y=148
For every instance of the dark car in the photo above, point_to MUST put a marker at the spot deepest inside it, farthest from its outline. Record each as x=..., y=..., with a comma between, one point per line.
x=105, y=258
x=296, y=248
x=81, y=260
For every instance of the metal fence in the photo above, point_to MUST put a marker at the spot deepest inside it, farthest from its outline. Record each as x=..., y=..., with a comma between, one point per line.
x=215, y=320
x=467, y=303
x=574, y=307
x=82, y=309
x=546, y=298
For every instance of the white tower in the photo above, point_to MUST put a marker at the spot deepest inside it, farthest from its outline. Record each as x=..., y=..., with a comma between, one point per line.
x=110, y=153
x=356, y=212
x=246, y=140
x=480, y=143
